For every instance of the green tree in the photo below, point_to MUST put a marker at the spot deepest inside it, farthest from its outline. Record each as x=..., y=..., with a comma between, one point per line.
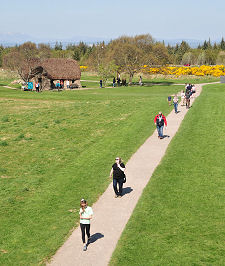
x=182, y=49
x=222, y=44
x=205, y=45
x=107, y=71
x=187, y=58
x=58, y=46
x=44, y=50
x=201, y=58
x=76, y=54
x=1, y=54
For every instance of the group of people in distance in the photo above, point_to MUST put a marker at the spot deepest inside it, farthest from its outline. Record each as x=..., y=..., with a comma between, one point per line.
x=118, y=82
x=160, y=119
x=186, y=95
x=118, y=168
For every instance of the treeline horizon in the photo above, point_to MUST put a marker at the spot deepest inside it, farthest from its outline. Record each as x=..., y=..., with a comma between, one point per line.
x=126, y=53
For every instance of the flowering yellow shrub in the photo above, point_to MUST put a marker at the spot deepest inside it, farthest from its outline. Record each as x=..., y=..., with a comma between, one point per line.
x=216, y=71
x=83, y=67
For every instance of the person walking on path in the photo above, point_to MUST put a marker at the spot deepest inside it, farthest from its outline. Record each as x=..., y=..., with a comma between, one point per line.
x=187, y=98
x=86, y=214
x=193, y=90
x=183, y=98
x=175, y=103
x=117, y=171
x=160, y=121
x=169, y=99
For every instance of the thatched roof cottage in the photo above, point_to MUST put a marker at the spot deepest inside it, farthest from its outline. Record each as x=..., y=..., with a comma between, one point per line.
x=48, y=71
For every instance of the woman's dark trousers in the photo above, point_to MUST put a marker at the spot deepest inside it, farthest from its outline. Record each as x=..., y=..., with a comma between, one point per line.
x=83, y=227
x=120, y=183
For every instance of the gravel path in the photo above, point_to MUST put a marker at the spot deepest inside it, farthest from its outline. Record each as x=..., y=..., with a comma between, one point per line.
x=111, y=214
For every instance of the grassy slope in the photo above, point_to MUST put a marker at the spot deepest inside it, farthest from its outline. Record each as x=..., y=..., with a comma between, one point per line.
x=57, y=147
x=180, y=218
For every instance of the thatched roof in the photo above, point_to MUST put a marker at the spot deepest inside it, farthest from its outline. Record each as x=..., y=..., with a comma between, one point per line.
x=57, y=68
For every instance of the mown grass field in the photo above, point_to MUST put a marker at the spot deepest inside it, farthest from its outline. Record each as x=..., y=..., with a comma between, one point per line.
x=57, y=147
x=180, y=218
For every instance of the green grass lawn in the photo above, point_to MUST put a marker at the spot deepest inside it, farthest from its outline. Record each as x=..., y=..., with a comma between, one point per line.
x=57, y=147
x=180, y=218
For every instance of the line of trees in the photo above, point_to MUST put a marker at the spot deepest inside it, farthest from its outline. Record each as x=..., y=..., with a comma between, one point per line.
x=124, y=54
x=207, y=53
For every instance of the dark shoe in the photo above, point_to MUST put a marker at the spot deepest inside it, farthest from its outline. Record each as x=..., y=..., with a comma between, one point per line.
x=85, y=248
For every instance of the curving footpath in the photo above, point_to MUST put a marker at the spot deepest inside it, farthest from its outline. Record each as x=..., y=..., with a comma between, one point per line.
x=111, y=214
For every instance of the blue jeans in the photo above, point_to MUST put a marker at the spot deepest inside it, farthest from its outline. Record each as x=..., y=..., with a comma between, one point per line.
x=175, y=107
x=120, y=183
x=160, y=131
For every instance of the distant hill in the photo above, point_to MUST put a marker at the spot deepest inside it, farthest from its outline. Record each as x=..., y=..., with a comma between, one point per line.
x=192, y=42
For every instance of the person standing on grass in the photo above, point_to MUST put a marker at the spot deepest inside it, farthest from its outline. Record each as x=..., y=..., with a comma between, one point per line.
x=67, y=84
x=86, y=214
x=117, y=172
x=175, y=103
x=37, y=86
x=100, y=83
x=61, y=84
x=114, y=82
x=160, y=121
x=118, y=81
x=140, y=80
x=183, y=97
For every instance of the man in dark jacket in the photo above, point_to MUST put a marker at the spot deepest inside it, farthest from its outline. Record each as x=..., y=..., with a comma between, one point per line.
x=160, y=121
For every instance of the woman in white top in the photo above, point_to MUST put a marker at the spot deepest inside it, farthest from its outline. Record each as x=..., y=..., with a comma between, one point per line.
x=86, y=214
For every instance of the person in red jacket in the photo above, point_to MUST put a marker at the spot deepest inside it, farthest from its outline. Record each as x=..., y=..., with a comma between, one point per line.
x=160, y=121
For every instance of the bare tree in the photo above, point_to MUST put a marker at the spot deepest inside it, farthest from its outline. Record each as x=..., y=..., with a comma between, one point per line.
x=21, y=59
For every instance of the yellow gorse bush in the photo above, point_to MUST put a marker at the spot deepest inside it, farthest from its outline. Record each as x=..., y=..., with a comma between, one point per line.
x=216, y=71
x=83, y=67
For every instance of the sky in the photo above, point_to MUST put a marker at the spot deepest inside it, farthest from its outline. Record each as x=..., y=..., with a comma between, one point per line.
x=66, y=19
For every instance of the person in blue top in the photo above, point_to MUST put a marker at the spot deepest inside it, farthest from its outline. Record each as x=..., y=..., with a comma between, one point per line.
x=86, y=214
x=169, y=99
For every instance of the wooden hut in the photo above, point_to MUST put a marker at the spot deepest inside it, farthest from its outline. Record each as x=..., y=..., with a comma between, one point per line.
x=50, y=71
